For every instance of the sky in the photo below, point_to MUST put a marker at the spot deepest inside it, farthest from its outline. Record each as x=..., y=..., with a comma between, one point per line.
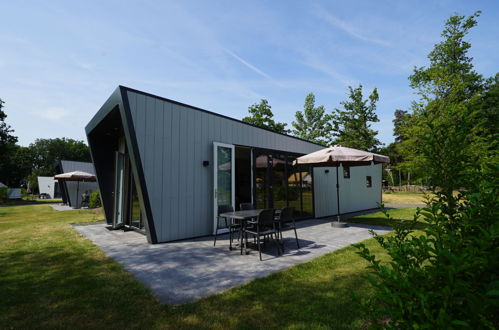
x=61, y=60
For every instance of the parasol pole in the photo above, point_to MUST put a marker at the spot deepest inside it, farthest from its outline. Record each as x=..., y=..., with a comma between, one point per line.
x=337, y=193
x=77, y=190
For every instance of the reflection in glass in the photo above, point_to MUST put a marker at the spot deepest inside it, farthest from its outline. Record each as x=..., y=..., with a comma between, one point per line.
x=306, y=192
x=136, y=219
x=294, y=188
x=224, y=176
x=279, y=181
x=261, y=162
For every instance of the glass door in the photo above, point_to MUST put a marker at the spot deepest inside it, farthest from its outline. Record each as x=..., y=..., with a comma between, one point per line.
x=119, y=191
x=223, y=177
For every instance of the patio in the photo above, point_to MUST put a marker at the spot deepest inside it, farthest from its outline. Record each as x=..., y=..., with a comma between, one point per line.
x=187, y=270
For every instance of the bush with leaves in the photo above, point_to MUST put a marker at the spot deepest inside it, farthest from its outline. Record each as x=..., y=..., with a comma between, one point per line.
x=3, y=193
x=94, y=200
x=445, y=276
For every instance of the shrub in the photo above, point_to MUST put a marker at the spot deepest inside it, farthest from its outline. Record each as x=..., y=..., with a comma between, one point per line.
x=446, y=277
x=94, y=200
x=3, y=193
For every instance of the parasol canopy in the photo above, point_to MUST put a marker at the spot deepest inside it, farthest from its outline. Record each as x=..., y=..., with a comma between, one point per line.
x=75, y=176
x=333, y=156
x=336, y=155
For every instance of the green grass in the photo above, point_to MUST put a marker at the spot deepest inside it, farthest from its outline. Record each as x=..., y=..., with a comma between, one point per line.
x=52, y=277
x=379, y=219
x=404, y=198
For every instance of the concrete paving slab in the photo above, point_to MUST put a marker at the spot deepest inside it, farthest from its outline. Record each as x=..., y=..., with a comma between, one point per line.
x=184, y=271
x=59, y=207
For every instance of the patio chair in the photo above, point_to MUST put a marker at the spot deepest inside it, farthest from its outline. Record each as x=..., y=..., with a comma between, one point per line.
x=287, y=222
x=263, y=226
x=228, y=224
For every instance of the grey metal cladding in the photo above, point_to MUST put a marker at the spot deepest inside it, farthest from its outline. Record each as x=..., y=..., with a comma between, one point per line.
x=173, y=141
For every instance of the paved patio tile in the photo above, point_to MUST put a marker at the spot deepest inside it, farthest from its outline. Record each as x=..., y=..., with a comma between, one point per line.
x=184, y=271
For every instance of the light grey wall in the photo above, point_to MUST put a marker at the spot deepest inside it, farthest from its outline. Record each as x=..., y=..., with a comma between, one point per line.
x=173, y=142
x=74, y=189
x=354, y=194
x=46, y=185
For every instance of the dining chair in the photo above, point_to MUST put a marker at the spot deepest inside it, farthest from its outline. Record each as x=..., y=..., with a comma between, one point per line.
x=286, y=221
x=229, y=224
x=263, y=226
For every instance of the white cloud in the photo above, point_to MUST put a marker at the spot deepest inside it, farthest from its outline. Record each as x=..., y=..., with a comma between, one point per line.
x=349, y=29
x=53, y=113
x=247, y=64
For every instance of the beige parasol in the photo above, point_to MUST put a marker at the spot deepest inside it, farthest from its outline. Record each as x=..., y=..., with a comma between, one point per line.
x=76, y=176
x=336, y=155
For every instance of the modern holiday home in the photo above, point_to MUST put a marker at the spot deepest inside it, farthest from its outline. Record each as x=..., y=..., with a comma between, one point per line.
x=163, y=167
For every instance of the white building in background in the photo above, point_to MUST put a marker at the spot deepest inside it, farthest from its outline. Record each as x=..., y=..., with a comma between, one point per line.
x=47, y=185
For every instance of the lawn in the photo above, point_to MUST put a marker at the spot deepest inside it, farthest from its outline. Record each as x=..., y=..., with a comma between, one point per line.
x=380, y=219
x=404, y=198
x=51, y=277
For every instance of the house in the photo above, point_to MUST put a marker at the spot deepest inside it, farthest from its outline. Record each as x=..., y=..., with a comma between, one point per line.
x=48, y=187
x=72, y=191
x=163, y=167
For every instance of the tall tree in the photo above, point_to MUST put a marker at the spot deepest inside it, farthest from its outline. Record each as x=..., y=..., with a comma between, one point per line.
x=46, y=152
x=400, y=121
x=351, y=125
x=487, y=110
x=444, y=274
x=261, y=115
x=7, y=149
x=312, y=123
x=440, y=137
x=5, y=130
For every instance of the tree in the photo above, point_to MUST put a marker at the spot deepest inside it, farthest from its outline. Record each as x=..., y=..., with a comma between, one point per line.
x=400, y=121
x=313, y=123
x=15, y=165
x=351, y=125
x=46, y=152
x=5, y=130
x=7, y=150
x=261, y=115
x=487, y=107
x=440, y=139
x=445, y=275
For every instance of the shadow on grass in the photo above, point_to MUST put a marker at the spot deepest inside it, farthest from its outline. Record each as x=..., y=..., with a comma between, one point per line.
x=398, y=216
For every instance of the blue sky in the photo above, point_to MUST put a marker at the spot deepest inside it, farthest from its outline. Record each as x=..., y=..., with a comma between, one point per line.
x=60, y=60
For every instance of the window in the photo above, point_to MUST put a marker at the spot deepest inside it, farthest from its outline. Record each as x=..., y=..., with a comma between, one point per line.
x=346, y=172
x=369, y=182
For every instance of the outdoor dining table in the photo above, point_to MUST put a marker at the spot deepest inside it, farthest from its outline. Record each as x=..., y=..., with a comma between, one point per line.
x=242, y=216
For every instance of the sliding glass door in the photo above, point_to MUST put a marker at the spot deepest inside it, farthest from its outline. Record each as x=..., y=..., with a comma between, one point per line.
x=279, y=184
x=223, y=177
x=119, y=190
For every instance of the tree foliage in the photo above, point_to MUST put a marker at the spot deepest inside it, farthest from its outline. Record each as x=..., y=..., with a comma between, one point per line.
x=352, y=124
x=261, y=115
x=5, y=130
x=440, y=140
x=313, y=123
x=8, y=148
x=447, y=276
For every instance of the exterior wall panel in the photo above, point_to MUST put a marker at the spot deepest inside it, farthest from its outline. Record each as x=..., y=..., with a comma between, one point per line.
x=354, y=194
x=173, y=142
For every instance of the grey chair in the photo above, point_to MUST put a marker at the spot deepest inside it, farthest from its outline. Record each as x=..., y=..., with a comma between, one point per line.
x=263, y=226
x=229, y=224
x=286, y=221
